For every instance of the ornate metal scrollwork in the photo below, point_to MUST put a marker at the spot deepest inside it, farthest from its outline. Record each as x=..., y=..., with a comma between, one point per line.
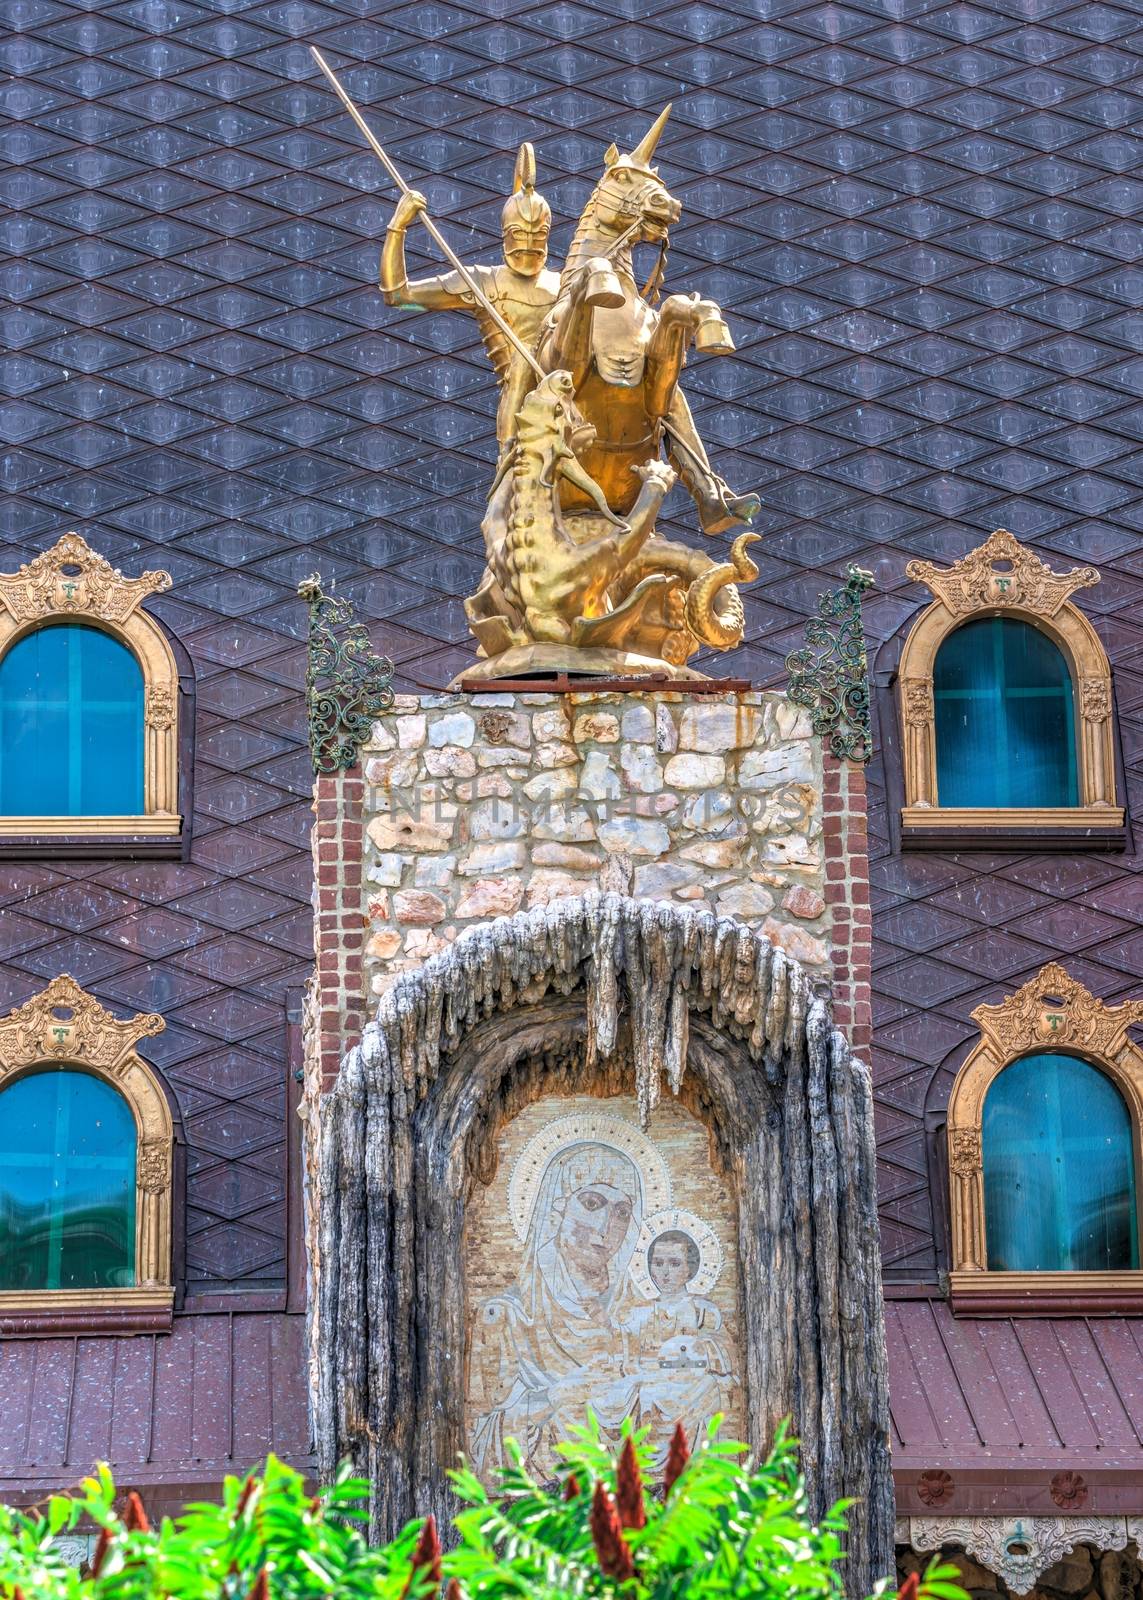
x=830, y=673
x=347, y=682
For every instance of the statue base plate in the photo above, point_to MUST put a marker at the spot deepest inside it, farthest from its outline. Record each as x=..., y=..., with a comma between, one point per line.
x=542, y=661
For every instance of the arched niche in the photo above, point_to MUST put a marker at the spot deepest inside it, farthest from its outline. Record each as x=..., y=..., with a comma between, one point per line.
x=600, y=996
x=601, y=1272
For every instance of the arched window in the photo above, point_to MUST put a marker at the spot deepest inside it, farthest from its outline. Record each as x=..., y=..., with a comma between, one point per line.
x=1044, y=1123
x=1006, y=704
x=85, y=1169
x=71, y=725
x=1059, y=1170
x=67, y=1183
x=89, y=695
x=1003, y=688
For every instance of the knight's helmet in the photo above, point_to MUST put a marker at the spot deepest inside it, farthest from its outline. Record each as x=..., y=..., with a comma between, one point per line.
x=526, y=219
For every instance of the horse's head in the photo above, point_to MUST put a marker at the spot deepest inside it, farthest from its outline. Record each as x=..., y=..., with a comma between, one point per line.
x=631, y=191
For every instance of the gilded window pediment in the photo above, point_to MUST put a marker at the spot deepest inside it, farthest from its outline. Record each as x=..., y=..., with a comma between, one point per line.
x=1001, y=572
x=64, y=1022
x=1055, y=1009
x=72, y=579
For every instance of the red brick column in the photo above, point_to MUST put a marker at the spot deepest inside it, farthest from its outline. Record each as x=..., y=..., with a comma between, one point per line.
x=847, y=897
x=339, y=923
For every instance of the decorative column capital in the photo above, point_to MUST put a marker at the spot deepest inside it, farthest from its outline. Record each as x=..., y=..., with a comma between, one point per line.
x=965, y=1156
x=918, y=698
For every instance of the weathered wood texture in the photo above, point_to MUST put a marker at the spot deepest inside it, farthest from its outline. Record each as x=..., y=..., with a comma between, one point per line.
x=596, y=995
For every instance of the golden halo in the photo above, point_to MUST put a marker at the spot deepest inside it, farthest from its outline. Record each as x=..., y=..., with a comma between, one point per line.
x=584, y=1127
x=668, y=1221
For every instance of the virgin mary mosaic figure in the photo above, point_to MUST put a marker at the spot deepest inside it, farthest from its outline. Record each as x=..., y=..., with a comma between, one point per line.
x=573, y=1332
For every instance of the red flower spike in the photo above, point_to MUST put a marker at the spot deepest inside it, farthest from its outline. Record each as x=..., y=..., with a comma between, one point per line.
x=910, y=1589
x=571, y=1487
x=260, y=1589
x=629, y=1488
x=677, y=1458
x=244, y=1497
x=426, y=1557
x=135, y=1518
x=453, y=1590
x=607, y=1536
x=102, y=1546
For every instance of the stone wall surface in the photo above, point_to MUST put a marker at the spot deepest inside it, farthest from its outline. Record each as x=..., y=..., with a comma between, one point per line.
x=480, y=806
x=465, y=808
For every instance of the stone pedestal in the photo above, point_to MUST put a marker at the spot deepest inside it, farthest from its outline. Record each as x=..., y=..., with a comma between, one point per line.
x=467, y=807
x=480, y=806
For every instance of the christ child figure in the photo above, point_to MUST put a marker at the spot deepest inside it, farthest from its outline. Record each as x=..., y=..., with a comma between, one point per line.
x=678, y=1330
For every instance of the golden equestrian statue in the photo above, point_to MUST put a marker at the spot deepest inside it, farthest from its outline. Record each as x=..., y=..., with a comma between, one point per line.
x=593, y=430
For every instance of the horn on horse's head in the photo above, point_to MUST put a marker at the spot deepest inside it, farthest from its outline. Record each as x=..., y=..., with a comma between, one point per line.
x=640, y=157
x=645, y=149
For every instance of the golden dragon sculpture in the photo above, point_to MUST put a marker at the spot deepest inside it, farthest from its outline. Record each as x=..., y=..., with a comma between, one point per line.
x=609, y=584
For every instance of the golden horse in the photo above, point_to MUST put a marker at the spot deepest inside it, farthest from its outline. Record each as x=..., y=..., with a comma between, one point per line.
x=625, y=356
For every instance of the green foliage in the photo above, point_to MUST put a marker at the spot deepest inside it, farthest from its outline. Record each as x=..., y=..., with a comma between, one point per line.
x=268, y=1525
x=726, y=1527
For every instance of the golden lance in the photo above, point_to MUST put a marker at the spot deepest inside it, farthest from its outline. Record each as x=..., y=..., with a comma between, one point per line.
x=434, y=231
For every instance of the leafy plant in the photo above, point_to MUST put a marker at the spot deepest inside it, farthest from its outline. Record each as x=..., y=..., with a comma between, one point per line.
x=268, y=1536
x=715, y=1525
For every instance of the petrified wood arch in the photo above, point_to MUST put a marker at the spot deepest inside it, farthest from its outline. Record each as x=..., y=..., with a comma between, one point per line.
x=598, y=995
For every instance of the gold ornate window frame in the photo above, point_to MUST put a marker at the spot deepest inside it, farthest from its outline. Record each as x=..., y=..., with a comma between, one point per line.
x=65, y=1026
x=1003, y=578
x=73, y=583
x=1051, y=1012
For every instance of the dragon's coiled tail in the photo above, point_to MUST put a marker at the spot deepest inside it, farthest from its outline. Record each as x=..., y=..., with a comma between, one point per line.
x=721, y=625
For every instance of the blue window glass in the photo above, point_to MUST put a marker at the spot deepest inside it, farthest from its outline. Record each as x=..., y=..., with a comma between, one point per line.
x=71, y=726
x=1059, y=1170
x=67, y=1184
x=1005, y=728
